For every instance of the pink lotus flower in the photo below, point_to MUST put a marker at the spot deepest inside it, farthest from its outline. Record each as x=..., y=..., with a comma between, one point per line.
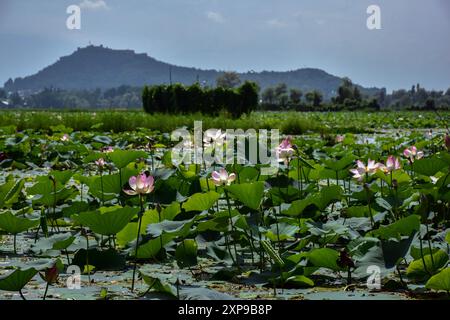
x=285, y=150
x=221, y=177
x=412, y=154
x=213, y=136
x=339, y=138
x=100, y=162
x=447, y=141
x=362, y=169
x=107, y=149
x=65, y=137
x=392, y=163
x=140, y=184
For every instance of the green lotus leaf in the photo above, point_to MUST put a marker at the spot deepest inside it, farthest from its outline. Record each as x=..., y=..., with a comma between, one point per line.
x=107, y=221
x=300, y=281
x=14, y=225
x=324, y=258
x=158, y=285
x=433, y=263
x=61, y=177
x=43, y=190
x=56, y=242
x=152, y=248
x=403, y=227
x=174, y=228
x=440, y=281
x=129, y=233
x=340, y=164
x=429, y=166
x=250, y=194
x=121, y=158
x=17, y=279
x=394, y=250
x=9, y=192
x=186, y=253
x=108, y=260
x=281, y=232
x=201, y=201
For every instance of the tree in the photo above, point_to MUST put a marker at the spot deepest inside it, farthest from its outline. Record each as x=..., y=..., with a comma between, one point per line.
x=374, y=105
x=16, y=100
x=268, y=96
x=281, y=96
x=356, y=94
x=295, y=96
x=280, y=89
x=382, y=97
x=345, y=91
x=181, y=99
x=314, y=98
x=145, y=99
x=430, y=104
x=317, y=100
x=3, y=94
x=248, y=97
x=228, y=80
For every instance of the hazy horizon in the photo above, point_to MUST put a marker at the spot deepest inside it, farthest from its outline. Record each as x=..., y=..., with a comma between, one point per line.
x=412, y=46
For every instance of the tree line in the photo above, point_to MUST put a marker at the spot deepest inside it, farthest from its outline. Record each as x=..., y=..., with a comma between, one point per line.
x=228, y=95
x=120, y=97
x=349, y=98
x=178, y=98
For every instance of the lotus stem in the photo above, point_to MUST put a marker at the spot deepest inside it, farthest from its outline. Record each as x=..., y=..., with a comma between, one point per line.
x=21, y=295
x=15, y=243
x=87, y=258
x=429, y=246
x=423, y=258
x=141, y=213
x=101, y=183
x=232, y=227
x=46, y=290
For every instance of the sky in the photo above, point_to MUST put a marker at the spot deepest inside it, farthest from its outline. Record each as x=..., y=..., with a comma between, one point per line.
x=412, y=46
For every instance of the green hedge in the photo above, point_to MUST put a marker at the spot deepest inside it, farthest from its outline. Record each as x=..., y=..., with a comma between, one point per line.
x=177, y=98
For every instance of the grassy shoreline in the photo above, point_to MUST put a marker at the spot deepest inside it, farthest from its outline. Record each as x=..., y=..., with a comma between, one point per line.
x=288, y=122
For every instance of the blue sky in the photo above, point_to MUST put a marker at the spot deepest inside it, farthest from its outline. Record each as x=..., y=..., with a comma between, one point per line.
x=412, y=46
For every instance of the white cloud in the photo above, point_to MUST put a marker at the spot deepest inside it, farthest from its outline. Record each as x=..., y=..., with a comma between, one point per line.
x=215, y=16
x=94, y=4
x=276, y=23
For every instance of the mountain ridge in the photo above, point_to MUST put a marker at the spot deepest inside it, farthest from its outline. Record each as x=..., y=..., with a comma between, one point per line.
x=95, y=67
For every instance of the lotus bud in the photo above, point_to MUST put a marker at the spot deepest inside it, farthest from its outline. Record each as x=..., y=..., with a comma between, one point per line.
x=345, y=261
x=51, y=275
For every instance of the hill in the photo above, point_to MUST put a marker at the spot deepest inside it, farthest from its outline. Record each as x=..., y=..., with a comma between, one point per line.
x=95, y=67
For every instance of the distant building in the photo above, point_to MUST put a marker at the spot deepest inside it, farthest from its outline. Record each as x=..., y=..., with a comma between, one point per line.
x=4, y=104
